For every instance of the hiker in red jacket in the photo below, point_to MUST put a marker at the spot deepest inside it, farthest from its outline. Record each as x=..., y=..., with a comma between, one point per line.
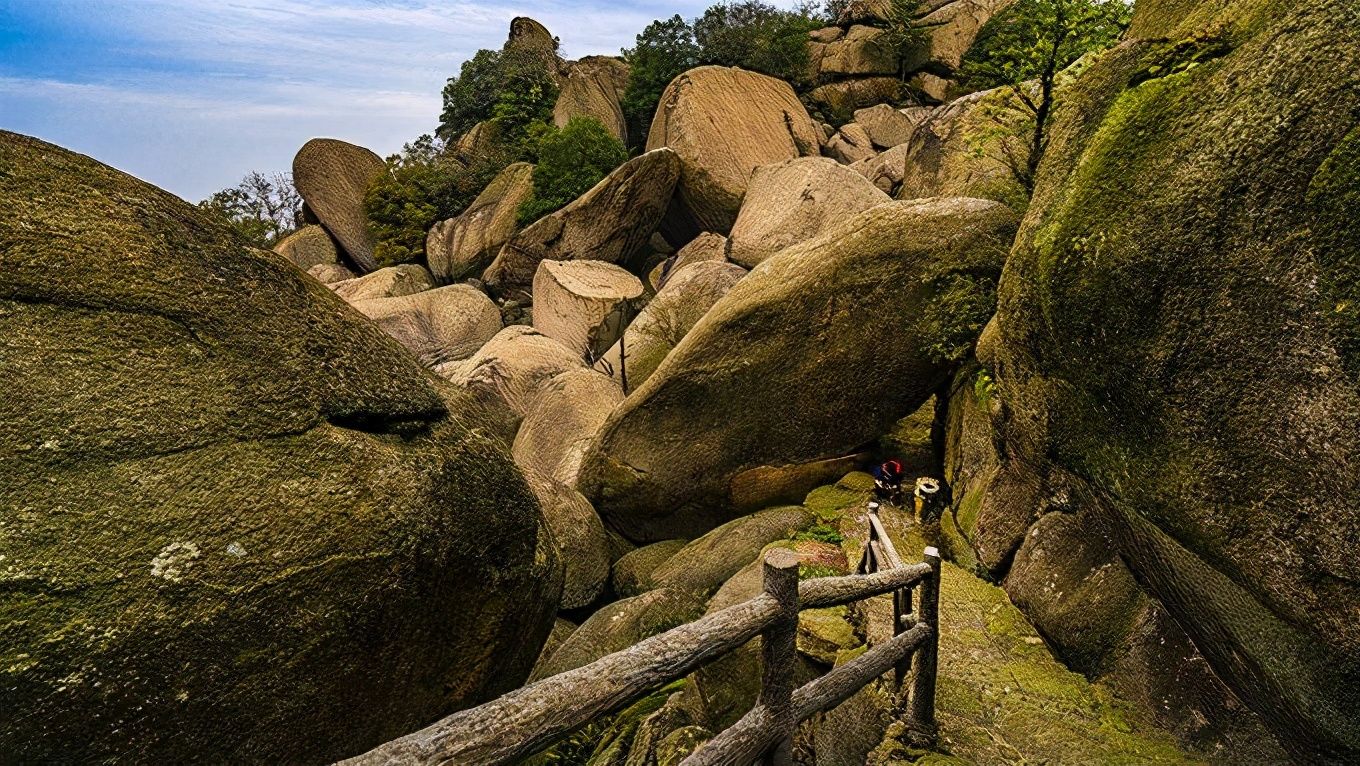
x=888, y=481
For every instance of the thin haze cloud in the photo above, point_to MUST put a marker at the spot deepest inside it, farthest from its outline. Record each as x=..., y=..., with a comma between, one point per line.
x=192, y=94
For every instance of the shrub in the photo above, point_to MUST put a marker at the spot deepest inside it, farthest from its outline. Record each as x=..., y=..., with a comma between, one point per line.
x=570, y=162
x=757, y=36
x=663, y=51
x=262, y=209
x=1027, y=46
x=424, y=185
x=513, y=87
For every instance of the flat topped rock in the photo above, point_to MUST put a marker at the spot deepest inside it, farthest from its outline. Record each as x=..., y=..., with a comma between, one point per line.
x=573, y=298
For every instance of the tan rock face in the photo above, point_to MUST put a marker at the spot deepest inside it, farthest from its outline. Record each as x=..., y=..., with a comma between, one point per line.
x=593, y=88
x=860, y=52
x=794, y=201
x=513, y=367
x=790, y=366
x=330, y=273
x=705, y=247
x=723, y=123
x=888, y=127
x=243, y=522
x=886, y=169
x=562, y=419
x=851, y=144
x=307, y=247
x=848, y=95
x=390, y=282
x=333, y=176
x=954, y=26
x=681, y=303
x=464, y=246
x=610, y=223
x=582, y=544
x=573, y=298
x=441, y=325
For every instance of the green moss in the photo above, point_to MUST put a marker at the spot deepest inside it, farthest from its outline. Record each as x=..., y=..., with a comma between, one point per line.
x=1334, y=199
x=820, y=532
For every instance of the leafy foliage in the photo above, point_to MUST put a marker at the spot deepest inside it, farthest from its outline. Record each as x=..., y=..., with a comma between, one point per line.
x=758, y=36
x=901, y=34
x=953, y=318
x=424, y=184
x=821, y=532
x=570, y=162
x=664, y=50
x=513, y=87
x=1026, y=46
x=262, y=209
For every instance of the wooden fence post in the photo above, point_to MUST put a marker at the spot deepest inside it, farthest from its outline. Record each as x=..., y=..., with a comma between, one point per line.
x=779, y=652
x=921, y=713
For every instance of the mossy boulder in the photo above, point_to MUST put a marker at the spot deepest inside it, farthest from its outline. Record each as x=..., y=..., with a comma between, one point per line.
x=632, y=573
x=706, y=563
x=240, y=522
x=790, y=365
x=1179, y=338
x=620, y=625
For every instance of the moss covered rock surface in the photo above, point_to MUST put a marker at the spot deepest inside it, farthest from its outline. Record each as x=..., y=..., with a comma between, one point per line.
x=238, y=522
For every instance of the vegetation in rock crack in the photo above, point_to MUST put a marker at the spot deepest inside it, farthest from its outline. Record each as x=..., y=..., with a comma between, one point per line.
x=424, y=184
x=513, y=86
x=1028, y=45
x=570, y=161
x=262, y=209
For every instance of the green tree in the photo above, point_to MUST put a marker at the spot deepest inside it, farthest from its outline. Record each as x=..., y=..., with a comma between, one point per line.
x=1027, y=46
x=471, y=97
x=570, y=162
x=424, y=184
x=664, y=50
x=262, y=209
x=514, y=86
x=758, y=36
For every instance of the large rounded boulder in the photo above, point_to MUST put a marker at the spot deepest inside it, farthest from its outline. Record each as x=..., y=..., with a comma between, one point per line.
x=594, y=87
x=724, y=123
x=794, y=201
x=464, y=246
x=1180, y=341
x=333, y=176
x=792, y=364
x=240, y=522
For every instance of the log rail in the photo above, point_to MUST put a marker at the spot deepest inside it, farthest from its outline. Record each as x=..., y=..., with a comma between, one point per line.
x=527, y=720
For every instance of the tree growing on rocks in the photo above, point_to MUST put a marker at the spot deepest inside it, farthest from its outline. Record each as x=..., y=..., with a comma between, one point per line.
x=262, y=209
x=664, y=49
x=514, y=87
x=758, y=36
x=570, y=162
x=1028, y=45
x=424, y=184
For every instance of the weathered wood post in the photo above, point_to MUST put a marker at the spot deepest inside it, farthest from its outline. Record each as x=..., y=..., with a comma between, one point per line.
x=921, y=712
x=779, y=652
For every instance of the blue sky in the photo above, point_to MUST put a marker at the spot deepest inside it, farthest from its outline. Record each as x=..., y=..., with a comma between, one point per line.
x=192, y=94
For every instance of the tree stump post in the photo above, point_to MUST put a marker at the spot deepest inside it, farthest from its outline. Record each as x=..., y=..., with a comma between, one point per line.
x=921, y=712
x=778, y=652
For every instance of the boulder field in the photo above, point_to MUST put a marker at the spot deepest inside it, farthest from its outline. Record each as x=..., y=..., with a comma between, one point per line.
x=792, y=364
x=239, y=521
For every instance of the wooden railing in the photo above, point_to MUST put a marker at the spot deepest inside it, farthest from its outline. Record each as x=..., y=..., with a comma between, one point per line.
x=523, y=722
